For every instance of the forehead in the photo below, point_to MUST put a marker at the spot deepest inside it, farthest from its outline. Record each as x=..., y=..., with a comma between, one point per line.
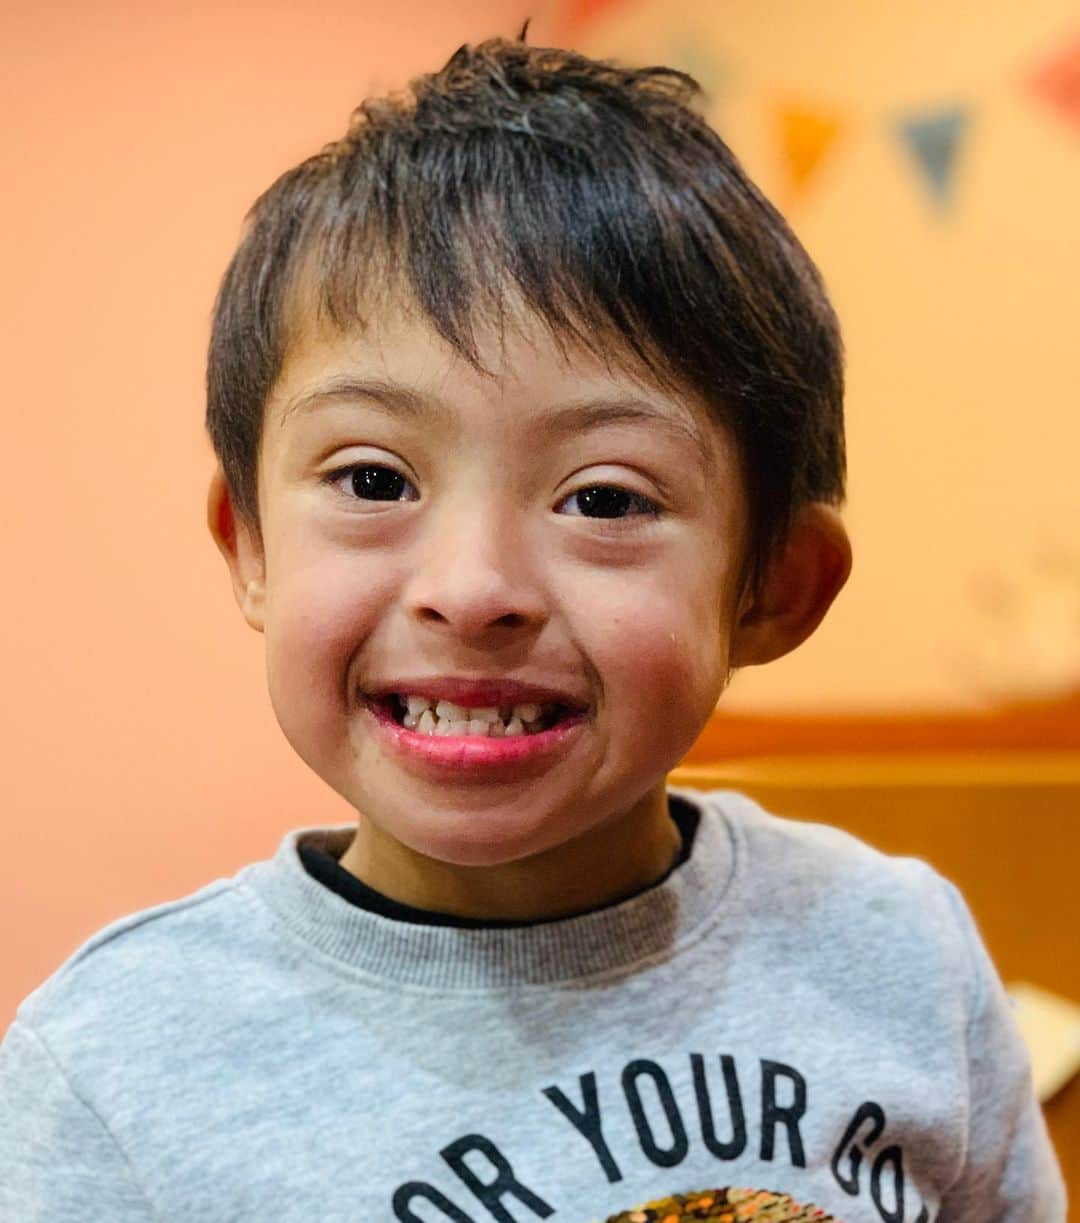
x=395, y=359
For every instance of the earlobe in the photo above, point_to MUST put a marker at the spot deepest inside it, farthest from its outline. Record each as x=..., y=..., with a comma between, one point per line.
x=242, y=553
x=801, y=585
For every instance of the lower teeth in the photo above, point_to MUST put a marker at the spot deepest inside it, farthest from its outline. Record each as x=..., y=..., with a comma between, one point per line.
x=426, y=725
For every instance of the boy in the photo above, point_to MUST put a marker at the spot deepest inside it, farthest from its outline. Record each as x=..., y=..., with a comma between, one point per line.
x=528, y=409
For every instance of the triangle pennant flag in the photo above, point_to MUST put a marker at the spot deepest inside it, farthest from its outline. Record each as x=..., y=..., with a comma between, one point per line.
x=575, y=14
x=806, y=135
x=1056, y=82
x=933, y=140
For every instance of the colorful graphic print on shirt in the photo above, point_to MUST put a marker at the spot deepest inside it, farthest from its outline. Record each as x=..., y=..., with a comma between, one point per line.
x=725, y=1206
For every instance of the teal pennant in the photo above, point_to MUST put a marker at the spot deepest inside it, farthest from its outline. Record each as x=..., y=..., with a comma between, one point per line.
x=933, y=138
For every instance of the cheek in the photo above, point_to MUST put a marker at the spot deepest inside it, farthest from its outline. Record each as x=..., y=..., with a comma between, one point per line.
x=663, y=652
x=318, y=615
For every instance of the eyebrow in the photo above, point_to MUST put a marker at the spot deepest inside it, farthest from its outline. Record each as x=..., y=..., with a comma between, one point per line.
x=566, y=418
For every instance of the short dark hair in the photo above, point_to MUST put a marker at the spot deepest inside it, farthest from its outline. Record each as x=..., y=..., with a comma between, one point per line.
x=598, y=196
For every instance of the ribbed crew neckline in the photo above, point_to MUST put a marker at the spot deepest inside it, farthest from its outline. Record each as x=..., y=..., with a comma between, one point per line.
x=655, y=921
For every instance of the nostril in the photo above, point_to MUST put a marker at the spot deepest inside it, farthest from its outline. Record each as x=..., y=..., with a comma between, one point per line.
x=432, y=615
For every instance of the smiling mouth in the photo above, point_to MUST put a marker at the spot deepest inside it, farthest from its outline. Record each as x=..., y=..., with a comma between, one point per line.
x=439, y=717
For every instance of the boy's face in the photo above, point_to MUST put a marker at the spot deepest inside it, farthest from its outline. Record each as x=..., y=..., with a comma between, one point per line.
x=465, y=546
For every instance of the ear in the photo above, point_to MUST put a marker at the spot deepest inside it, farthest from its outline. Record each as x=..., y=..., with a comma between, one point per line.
x=243, y=553
x=801, y=585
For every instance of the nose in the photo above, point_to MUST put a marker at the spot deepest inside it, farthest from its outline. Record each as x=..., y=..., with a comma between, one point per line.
x=475, y=574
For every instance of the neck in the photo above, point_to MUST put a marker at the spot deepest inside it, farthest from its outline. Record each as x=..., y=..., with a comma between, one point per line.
x=621, y=856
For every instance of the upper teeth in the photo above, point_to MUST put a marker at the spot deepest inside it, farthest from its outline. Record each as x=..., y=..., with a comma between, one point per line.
x=444, y=717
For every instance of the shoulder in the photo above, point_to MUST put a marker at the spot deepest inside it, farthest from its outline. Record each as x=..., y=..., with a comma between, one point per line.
x=820, y=882
x=804, y=851
x=143, y=975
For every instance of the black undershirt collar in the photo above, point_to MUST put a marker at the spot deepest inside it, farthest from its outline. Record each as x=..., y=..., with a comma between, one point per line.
x=327, y=870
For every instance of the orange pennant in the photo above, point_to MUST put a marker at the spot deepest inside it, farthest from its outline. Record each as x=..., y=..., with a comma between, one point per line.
x=806, y=135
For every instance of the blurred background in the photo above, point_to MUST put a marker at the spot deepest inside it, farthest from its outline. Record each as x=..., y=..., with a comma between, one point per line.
x=928, y=156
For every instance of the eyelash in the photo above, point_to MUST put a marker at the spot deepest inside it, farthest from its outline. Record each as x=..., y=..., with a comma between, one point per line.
x=648, y=508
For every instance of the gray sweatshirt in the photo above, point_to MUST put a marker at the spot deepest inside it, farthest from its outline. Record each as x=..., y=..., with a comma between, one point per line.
x=789, y=1010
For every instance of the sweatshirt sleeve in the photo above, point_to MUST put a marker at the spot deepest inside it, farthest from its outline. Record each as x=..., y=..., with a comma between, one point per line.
x=58, y=1161
x=1010, y=1173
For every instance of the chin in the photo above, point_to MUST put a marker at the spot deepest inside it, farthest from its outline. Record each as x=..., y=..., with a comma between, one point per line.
x=485, y=854
x=479, y=840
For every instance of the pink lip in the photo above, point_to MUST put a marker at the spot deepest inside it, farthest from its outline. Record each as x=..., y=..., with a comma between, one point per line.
x=474, y=755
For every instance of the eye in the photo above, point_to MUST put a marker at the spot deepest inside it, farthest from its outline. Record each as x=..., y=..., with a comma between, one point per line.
x=610, y=501
x=371, y=482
